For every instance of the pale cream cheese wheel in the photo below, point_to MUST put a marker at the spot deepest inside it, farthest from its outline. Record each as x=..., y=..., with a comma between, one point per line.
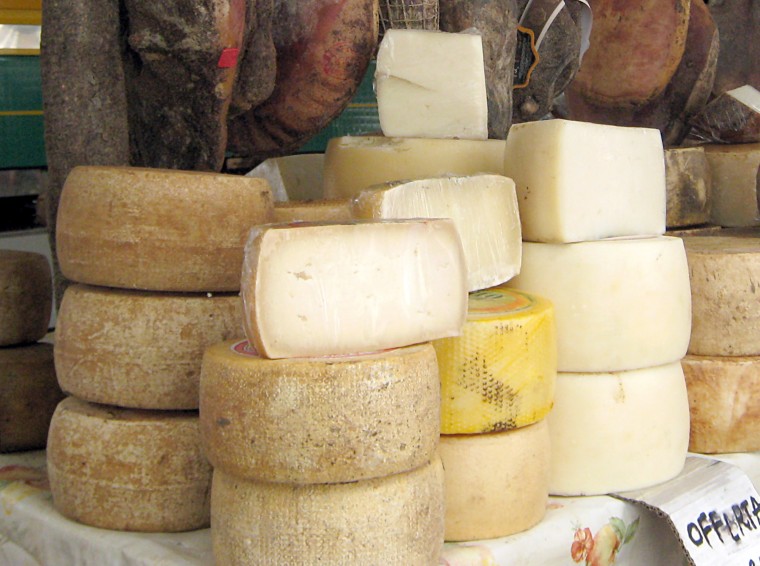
x=26, y=297
x=495, y=484
x=619, y=431
x=127, y=469
x=319, y=420
x=396, y=520
x=139, y=349
x=157, y=229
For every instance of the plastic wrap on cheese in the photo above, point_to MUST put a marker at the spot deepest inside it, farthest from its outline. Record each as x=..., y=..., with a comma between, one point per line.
x=732, y=117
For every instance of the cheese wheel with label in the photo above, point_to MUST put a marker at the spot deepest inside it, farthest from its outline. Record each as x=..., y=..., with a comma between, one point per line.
x=26, y=297
x=689, y=187
x=334, y=289
x=618, y=431
x=128, y=470
x=395, y=520
x=495, y=484
x=319, y=420
x=139, y=349
x=723, y=400
x=156, y=229
x=620, y=303
x=499, y=374
x=735, y=171
x=336, y=210
x=354, y=163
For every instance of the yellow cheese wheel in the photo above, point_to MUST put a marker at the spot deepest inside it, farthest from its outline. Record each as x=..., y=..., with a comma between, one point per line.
x=337, y=210
x=127, y=469
x=139, y=349
x=29, y=394
x=495, y=484
x=156, y=229
x=723, y=402
x=499, y=373
x=395, y=520
x=319, y=420
x=26, y=297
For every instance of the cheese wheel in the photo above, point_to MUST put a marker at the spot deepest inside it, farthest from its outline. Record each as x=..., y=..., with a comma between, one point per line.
x=688, y=182
x=319, y=420
x=620, y=303
x=723, y=393
x=333, y=289
x=499, y=373
x=353, y=163
x=495, y=484
x=139, y=349
x=29, y=394
x=483, y=208
x=128, y=470
x=725, y=276
x=735, y=183
x=156, y=229
x=292, y=177
x=26, y=297
x=336, y=210
x=395, y=520
x=618, y=431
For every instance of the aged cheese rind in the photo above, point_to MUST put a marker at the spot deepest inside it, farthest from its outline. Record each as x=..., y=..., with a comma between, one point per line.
x=499, y=373
x=139, y=349
x=735, y=171
x=495, y=484
x=127, y=469
x=618, y=431
x=332, y=289
x=335, y=210
x=353, y=163
x=319, y=420
x=620, y=304
x=395, y=520
x=26, y=297
x=157, y=229
x=483, y=207
x=689, y=187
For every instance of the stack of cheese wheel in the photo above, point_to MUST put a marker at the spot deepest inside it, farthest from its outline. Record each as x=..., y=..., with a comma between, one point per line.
x=323, y=426
x=29, y=391
x=155, y=258
x=592, y=206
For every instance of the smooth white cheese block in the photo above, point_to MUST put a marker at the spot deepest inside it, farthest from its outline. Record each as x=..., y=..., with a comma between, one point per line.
x=431, y=84
x=394, y=520
x=354, y=163
x=335, y=210
x=689, y=187
x=618, y=431
x=331, y=289
x=735, y=170
x=484, y=210
x=495, y=484
x=319, y=420
x=295, y=177
x=26, y=297
x=620, y=304
x=578, y=181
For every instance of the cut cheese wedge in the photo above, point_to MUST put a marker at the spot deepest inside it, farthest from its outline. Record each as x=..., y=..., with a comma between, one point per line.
x=689, y=187
x=735, y=171
x=319, y=420
x=483, y=207
x=139, y=349
x=394, y=520
x=332, y=289
x=26, y=297
x=499, y=374
x=336, y=210
x=618, y=431
x=579, y=181
x=128, y=470
x=495, y=484
x=620, y=303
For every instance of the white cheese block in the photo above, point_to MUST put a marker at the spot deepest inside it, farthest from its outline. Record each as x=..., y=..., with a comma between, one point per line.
x=620, y=304
x=353, y=163
x=127, y=469
x=723, y=400
x=484, y=210
x=139, y=349
x=156, y=229
x=618, y=431
x=495, y=484
x=499, y=374
x=26, y=297
x=431, y=84
x=725, y=278
x=335, y=210
x=689, y=187
x=331, y=289
x=735, y=170
x=319, y=420
x=579, y=181
x=394, y=520
x=292, y=177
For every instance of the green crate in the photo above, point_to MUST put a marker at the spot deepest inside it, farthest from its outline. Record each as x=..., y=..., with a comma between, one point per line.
x=21, y=122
